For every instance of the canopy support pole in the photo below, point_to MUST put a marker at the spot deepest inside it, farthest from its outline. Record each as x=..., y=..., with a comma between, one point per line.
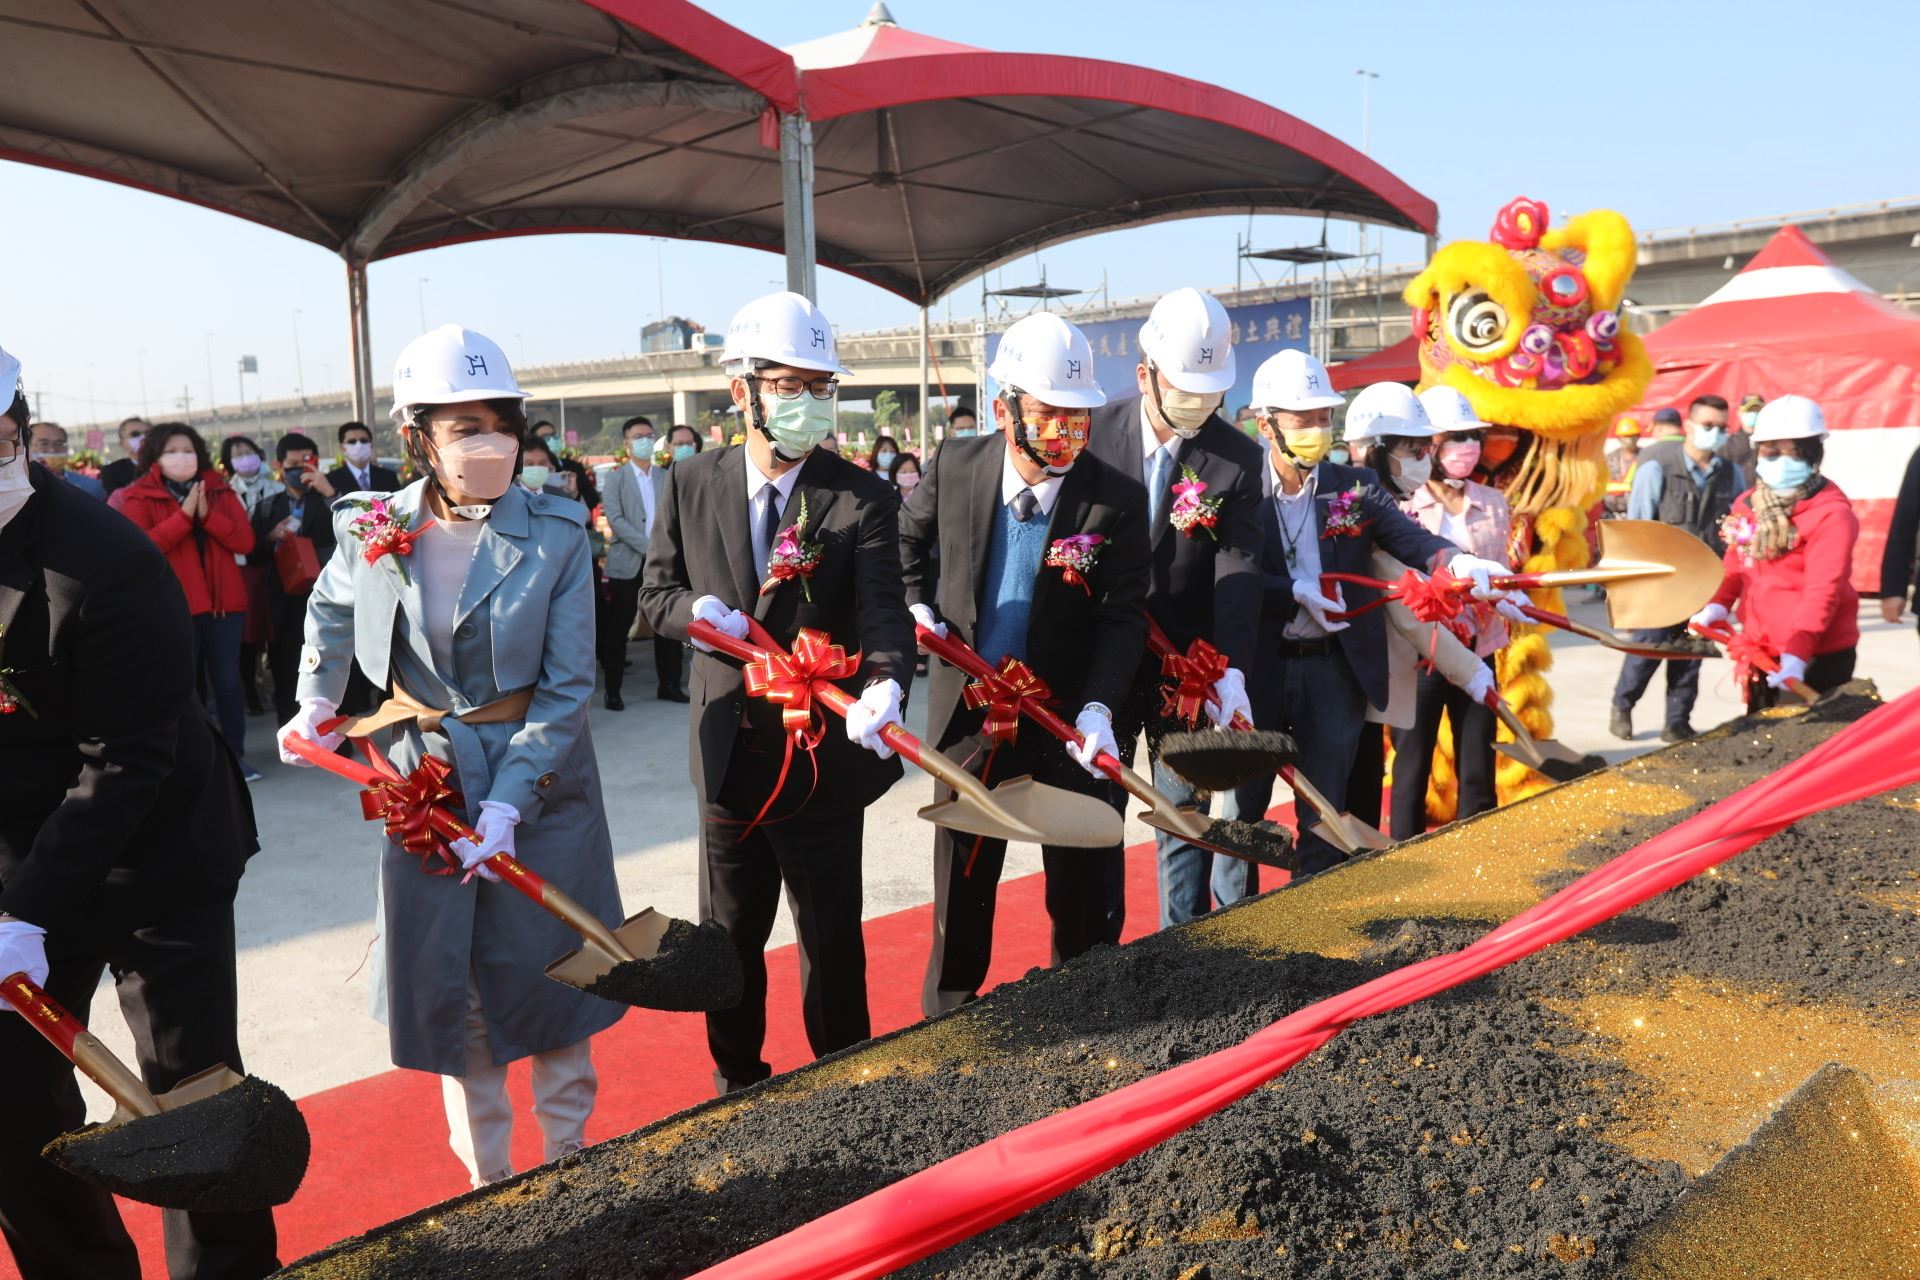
x=796, y=198
x=361, y=349
x=923, y=378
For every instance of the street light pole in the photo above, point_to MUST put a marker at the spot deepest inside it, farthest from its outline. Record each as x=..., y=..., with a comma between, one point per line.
x=299, y=369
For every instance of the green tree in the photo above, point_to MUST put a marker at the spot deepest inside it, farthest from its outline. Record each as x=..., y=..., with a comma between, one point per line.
x=886, y=411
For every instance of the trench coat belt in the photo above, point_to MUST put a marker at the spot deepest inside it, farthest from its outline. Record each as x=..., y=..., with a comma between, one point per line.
x=403, y=707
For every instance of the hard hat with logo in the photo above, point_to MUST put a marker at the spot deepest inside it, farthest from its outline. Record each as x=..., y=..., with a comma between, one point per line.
x=1190, y=341
x=1789, y=418
x=9, y=382
x=1387, y=409
x=1291, y=379
x=1450, y=410
x=782, y=328
x=1628, y=426
x=451, y=365
x=1050, y=360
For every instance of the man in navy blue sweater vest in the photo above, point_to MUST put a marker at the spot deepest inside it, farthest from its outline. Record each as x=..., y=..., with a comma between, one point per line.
x=1043, y=557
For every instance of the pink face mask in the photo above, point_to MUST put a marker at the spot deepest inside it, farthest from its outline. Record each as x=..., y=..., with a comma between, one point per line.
x=1457, y=459
x=179, y=467
x=907, y=479
x=478, y=467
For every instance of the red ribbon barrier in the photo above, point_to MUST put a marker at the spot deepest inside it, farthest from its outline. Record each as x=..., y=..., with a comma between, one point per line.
x=1001, y=693
x=1191, y=677
x=1005, y=1176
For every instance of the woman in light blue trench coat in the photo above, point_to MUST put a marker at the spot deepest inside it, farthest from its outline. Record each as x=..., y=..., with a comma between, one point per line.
x=488, y=616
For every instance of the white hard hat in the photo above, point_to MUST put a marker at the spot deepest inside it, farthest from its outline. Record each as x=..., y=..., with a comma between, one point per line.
x=1050, y=360
x=1387, y=409
x=9, y=382
x=1190, y=340
x=1291, y=379
x=1789, y=418
x=1450, y=410
x=782, y=328
x=451, y=365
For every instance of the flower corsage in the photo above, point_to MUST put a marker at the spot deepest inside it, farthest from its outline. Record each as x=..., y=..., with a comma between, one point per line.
x=1074, y=557
x=1190, y=511
x=1343, y=515
x=1737, y=531
x=793, y=556
x=383, y=533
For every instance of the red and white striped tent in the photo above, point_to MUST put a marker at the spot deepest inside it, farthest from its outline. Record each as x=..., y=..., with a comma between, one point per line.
x=1792, y=321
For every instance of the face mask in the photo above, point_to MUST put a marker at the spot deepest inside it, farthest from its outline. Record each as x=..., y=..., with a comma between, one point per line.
x=16, y=486
x=1783, y=472
x=535, y=476
x=133, y=443
x=1748, y=417
x=360, y=452
x=959, y=433
x=1498, y=449
x=479, y=467
x=1054, y=441
x=640, y=447
x=796, y=426
x=1338, y=455
x=1458, y=458
x=1707, y=439
x=884, y=459
x=179, y=467
x=907, y=480
x=1186, y=411
x=1410, y=473
x=246, y=464
x=1308, y=445
x=681, y=452
x=294, y=473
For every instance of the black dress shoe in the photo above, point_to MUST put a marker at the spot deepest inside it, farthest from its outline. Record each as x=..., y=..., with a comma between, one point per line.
x=1677, y=733
x=671, y=695
x=1620, y=724
x=614, y=703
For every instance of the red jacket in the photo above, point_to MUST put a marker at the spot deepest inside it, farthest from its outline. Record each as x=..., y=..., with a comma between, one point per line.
x=202, y=554
x=1804, y=602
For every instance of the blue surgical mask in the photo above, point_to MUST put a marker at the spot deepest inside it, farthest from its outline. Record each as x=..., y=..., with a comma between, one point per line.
x=681, y=452
x=799, y=424
x=535, y=476
x=641, y=446
x=959, y=433
x=1784, y=472
x=1707, y=439
x=1337, y=454
x=884, y=459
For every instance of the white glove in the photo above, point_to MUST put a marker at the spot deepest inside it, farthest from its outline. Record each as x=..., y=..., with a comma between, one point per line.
x=495, y=829
x=1483, y=572
x=1095, y=724
x=314, y=712
x=23, y=949
x=1791, y=668
x=1509, y=608
x=868, y=718
x=1230, y=696
x=1309, y=598
x=1480, y=685
x=709, y=610
x=923, y=616
x=1711, y=616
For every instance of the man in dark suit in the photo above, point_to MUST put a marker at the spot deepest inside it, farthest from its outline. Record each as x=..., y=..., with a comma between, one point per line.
x=363, y=473
x=124, y=828
x=1317, y=673
x=298, y=510
x=122, y=472
x=1202, y=481
x=999, y=507
x=803, y=540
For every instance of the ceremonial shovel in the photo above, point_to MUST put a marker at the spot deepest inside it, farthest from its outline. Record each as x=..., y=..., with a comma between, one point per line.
x=651, y=961
x=1019, y=809
x=1197, y=756
x=1723, y=633
x=1246, y=841
x=1656, y=575
x=218, y=1142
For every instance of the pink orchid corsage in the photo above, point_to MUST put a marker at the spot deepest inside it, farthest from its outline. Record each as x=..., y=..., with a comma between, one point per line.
x=793, y=556
x=1737, y=531
x=1074, y=557
x=1190, y=511
x=1343, y=515
x=383, y=533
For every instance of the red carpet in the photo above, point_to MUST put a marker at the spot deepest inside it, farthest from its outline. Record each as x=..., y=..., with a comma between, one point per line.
x=380, y=1144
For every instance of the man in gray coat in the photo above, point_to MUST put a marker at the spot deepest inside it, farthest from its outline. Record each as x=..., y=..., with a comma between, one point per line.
x=634, y=490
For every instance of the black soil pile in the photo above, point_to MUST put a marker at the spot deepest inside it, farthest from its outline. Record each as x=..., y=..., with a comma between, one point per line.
x=1461, y=1137
x=695, y=970
x=239, y=1149
x=1218, y=761
x=1263, y=842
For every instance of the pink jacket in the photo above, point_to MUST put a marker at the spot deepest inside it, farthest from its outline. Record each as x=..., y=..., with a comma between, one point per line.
x=1488, y=520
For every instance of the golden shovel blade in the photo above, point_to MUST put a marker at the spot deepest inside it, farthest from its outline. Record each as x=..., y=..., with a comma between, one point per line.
x=1665, y=574
x=640, y=935
x=1033, y=813
x=195, y=1088
x=1351, y=835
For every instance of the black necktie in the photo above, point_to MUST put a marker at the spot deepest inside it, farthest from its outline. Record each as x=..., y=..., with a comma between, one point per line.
x=772, y=520
x=1023, y=504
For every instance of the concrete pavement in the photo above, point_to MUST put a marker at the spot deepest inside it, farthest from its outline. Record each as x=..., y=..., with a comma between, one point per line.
x=305, y=910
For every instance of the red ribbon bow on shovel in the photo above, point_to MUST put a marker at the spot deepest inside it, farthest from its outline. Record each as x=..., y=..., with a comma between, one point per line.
x=1193, y=673
x=1001, y=693
x=405, y=805
x=786, y=680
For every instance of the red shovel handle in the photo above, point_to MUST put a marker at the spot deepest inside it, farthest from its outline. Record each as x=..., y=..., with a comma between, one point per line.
x=78, y=1045
x=962, y=656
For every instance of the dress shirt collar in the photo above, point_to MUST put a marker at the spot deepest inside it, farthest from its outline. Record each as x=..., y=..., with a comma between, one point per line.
x=1011, y=484
x=1150, y=440
x=1307, y=483
x=758, y=480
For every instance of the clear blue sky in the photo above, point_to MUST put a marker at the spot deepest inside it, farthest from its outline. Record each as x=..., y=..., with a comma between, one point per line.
x=1675, y=114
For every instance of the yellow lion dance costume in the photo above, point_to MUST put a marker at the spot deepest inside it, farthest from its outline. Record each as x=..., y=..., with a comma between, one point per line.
x=1528, y=329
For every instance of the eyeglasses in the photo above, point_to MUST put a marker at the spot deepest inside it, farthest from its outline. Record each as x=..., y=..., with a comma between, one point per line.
x=790, y=388
x=1409, y=448
x=1462, y=437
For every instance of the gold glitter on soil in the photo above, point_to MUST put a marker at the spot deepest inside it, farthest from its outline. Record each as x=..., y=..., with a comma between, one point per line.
x=1828, y=1189
x=1718, y=1059
x=1484, y=870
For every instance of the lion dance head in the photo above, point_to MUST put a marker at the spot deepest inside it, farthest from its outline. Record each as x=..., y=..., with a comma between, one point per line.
x=1528, y=328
